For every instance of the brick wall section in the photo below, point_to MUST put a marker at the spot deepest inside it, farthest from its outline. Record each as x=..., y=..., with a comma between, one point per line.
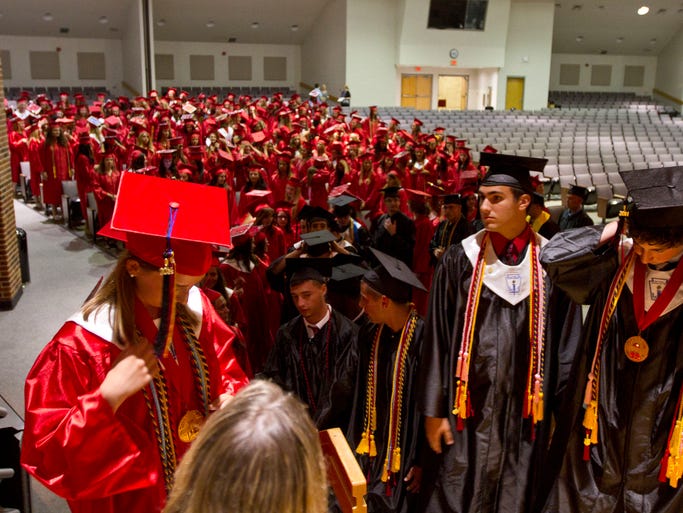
x=10, y=271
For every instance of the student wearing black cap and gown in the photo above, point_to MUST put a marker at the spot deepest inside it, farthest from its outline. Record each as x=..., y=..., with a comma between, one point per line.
x=394, y=232
x=386, y=429
x=453, y=229
x=574, y=216
x=499, y=341
x=624, y=449
x=114, y=400
x=315, y=354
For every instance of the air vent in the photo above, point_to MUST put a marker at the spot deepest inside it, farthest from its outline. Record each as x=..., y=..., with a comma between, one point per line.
x=603, y=52
x=232, y=40
x=577, y=7
x=64, y=30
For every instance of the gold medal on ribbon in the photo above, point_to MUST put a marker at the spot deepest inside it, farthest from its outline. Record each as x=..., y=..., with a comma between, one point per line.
x=189, y=426
x=636, y=349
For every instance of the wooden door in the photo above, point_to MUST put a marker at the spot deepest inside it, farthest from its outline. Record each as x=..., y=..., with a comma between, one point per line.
x=453, y=92
x=416, y=91
x=514, y=93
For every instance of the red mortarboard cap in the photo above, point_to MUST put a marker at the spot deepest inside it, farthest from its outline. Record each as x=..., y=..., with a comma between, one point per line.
x=417, y=122
x=460, y=143
x=175, y=141
x=258, y=137
x=168, y=152
x=143, y=212
x=241, y=234
x=258, y=194
x=416, y=195
x=84, y=138
x=225, y=155
x=489, y=149
x=113, y=121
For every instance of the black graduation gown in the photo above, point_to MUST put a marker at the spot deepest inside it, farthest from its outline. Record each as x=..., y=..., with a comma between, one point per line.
x=569, y=220
x=330, y=360
x=446, y=235
x=637, y=401
x=401, y=244
x=412, y=440
x=494, y=463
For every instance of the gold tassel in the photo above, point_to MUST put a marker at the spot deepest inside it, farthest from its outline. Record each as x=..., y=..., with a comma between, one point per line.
x=373, y=447
x=385, y=470
x=363, y=445
x=590, y=420
x=674, y=470
x=460, y=409
x=396, y=460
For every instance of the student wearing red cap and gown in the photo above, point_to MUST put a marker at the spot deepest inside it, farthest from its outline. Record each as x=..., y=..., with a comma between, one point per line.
x=114, y=400
x=57, y=162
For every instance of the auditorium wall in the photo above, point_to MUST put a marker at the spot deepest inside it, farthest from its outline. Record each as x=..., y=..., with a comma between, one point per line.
x=670, y=72
x=528, y=53
x=67, y=49
x=256, y=54
x=371, y=51
x=323, y=52
x=614, y=64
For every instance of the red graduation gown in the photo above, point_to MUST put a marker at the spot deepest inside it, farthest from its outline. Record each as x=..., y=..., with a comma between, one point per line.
x=100, y=461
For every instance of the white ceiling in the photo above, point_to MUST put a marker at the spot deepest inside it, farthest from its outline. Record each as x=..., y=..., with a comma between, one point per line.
x=598, y=22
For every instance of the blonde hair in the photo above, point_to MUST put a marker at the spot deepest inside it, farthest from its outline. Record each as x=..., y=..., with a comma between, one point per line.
x=261, y=453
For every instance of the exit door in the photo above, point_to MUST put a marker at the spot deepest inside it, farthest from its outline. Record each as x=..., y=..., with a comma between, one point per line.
x=514, y=93
x=416, y=91
x=453, y=92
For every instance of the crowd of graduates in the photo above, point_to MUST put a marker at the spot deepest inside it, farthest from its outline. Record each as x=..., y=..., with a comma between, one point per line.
x=337, y=225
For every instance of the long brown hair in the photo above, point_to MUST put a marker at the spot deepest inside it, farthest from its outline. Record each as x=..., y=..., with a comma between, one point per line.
x=261, y=453
x=118, y=292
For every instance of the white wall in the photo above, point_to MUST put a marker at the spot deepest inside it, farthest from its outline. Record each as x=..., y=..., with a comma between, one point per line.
x=20, y=46
x=132, y=47
x=618, y=63
x=669, y=78
x=323, y=52
x=528, y=53
x=181, y=60
x=420, y=46
x=371, y=51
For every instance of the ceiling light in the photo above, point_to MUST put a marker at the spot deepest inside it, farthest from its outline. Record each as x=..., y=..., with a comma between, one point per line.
x=620, y=40
x=294, y=28
x=643, y=10
x=210, y=24
x=579, y=39
x=48, y=17
x=161, y=22
x=255, y=25
x=103, y=20
x=653, y=41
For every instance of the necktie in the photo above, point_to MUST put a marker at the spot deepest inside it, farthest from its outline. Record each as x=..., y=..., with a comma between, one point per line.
x=314, y=329
x=511, y=254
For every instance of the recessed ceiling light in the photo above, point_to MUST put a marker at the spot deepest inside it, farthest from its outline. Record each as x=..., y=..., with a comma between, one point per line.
x=643, y=10
x=579, y=39
x=620, y=40
x=653, y=41
x=210, y=24
x=161, y=22
x=48, y=17
x=103, y=20
x=294, y=28
x=255, y=25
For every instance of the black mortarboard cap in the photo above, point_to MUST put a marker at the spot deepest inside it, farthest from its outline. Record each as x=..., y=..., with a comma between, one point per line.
x=510, y=170
x=537, y=199
x=578, y=190
x=310, y=213
x=342, y=200
x=347, y=271
x=304, y=269
x=391, y=192
x=452, y=199
x=391, y=277
x=657, y=196
x=317, y=238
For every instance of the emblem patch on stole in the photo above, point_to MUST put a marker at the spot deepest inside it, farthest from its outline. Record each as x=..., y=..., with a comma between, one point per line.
x=513, y=281
x=656, y=287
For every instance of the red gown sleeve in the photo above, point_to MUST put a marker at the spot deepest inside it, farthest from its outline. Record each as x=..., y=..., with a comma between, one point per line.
x=73, y=442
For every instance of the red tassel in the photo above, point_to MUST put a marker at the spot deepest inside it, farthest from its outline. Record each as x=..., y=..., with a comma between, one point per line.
x=533, y=431
x=586, y=452
x=664, y=466
x=459, y=424
x=387, y=488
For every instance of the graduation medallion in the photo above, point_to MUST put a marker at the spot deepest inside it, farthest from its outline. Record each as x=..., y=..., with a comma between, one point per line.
x=636, y=349
x=189, y=426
